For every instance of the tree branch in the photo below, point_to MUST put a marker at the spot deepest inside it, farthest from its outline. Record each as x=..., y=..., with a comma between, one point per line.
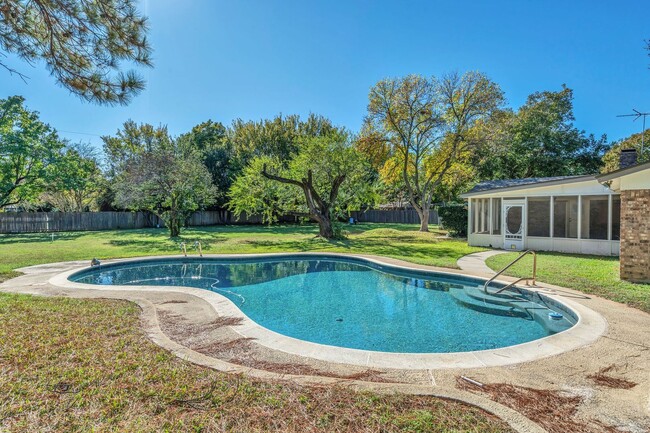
x=280, y=179
x=12, y=71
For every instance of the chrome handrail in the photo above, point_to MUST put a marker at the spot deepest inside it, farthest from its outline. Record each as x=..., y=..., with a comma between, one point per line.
x=197, y=245
x=487, y=283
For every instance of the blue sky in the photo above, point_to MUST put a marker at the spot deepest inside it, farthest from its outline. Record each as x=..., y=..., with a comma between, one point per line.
x=223, y=60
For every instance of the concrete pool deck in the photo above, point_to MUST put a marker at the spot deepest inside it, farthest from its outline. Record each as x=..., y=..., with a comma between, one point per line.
x=182, y=320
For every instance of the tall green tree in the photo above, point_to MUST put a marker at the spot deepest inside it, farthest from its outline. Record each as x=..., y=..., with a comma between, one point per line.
x=210, y=140
x=76, y=181
x=422, y=126
x=325, y=178
x=131, y=140
x=538, y=140
x=275, y=138
x=82, y=42
x=153, y=172
x=29, y=152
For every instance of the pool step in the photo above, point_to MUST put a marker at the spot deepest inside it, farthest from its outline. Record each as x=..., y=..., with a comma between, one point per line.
x=506, y=299
x=524, y=307
x=461, y=296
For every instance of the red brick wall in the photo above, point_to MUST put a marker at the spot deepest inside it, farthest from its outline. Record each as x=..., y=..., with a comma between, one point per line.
x=635, y=235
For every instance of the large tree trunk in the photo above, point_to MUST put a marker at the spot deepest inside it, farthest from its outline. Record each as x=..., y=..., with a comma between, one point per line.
x=423, y=213
x=424, y=219
x=326, y=229
x=173, y=220
x=174, y=228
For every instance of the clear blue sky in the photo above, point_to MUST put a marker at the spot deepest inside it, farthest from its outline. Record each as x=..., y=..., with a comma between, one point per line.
x=222, y=60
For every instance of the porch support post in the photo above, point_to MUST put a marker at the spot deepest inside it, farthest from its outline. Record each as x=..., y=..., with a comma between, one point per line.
x=579, y=217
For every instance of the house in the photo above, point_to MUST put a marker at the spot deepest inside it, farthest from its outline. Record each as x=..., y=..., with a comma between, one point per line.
x=607, y=214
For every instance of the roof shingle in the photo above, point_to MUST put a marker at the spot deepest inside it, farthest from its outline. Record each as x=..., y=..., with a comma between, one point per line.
x=488, y=185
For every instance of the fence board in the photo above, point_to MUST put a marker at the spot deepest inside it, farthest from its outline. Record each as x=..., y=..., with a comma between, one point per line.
x=34, y=222
x=403, y=216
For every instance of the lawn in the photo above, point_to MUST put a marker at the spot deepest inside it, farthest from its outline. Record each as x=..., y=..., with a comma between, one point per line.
x=401, y=241
x=589, y=274
x=85, y=365
x=70, y=365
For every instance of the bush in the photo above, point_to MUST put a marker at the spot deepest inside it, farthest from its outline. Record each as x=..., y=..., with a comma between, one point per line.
x=454, y=219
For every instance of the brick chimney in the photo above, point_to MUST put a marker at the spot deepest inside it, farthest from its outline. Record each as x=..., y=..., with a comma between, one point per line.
x=627, y=158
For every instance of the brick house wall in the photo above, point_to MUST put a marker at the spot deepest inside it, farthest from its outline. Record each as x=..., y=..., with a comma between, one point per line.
x=635, y=235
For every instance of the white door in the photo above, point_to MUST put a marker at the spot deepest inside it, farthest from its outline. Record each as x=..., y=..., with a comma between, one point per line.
x=513, y=225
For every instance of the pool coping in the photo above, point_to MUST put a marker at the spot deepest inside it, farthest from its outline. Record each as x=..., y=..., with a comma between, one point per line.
x=589, y=327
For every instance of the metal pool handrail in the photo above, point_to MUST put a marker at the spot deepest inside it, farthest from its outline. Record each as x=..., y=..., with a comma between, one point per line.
x=487, y=283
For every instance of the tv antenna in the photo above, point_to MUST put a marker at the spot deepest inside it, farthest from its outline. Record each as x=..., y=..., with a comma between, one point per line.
x=637, y=114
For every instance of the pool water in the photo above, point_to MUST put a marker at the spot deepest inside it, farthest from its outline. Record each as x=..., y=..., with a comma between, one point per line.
x=352, y=303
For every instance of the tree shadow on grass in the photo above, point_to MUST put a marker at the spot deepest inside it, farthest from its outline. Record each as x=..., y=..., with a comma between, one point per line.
x=164, y=244
x=40, y=237
x=430, y=252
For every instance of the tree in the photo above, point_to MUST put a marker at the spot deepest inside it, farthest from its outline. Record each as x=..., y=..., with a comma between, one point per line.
x=166, y=182
x=153, y=172
x=325, y=178
x=82, y=42
x=275, y=138
x=210, y=140
x=29, y=151
x=422, y=126
x=130, y=141
x=76, y=181
x=539, y=140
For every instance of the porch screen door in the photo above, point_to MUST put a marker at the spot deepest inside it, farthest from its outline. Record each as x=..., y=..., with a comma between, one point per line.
x=513, y=222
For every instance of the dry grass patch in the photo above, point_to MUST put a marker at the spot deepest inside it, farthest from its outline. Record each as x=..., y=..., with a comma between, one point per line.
x=603, y=379
x=241, y=350
x=69, y=365
x=553, y=410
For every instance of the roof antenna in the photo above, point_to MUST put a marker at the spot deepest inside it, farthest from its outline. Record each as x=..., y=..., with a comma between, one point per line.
x=636, y=116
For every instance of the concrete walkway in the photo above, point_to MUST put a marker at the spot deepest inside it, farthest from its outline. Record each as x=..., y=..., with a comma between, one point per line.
x=475, y=262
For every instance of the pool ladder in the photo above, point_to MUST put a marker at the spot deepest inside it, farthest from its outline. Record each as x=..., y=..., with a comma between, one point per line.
x=197, y=246
x=521, y=256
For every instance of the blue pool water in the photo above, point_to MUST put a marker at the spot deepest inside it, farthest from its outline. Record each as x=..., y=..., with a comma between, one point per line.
x=352, y=303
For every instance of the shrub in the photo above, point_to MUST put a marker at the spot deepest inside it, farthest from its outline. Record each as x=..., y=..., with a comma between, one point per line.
x=454, y=219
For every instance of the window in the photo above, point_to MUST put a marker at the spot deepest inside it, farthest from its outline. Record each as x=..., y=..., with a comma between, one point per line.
x=480, y=215
x=616, y=217
x=594, y=217
x=539, y=216
x=496, y=216
x=565, y=217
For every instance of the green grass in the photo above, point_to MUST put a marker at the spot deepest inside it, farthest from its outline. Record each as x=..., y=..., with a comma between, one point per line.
x=589, y=274
x=85, y=365
x=71, y=365
x=400, y=241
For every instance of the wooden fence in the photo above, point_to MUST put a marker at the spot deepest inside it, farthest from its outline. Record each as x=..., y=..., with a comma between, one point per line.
x=34, y=222
x=405, y=216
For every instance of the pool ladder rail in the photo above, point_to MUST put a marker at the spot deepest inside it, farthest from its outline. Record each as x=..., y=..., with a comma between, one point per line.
x=197, y=246
x=521, y=256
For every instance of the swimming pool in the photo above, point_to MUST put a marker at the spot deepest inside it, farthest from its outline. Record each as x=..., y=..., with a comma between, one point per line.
x=353, y=303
